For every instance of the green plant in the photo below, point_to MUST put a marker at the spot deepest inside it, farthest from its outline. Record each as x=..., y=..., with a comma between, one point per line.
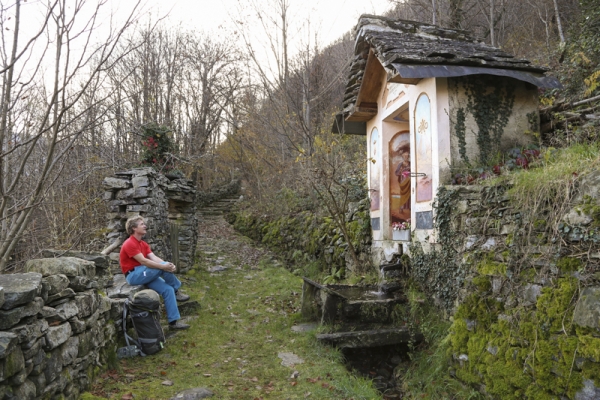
x=490, y=100
x=157, y=147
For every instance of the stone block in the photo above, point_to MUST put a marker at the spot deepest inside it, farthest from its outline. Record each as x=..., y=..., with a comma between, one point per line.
x=77, y=326
x=10, y=318
x=587, y=310
x=115, y=183
x=33, y=351
x=65, y=295
x=589, y=391
x=99, y=259
x=56, y=283
x=141, y=192
x=92, y=320
x=104, y=304
x=39, y=381
x=489, y=244
x=69, y=350
x=140, y=181
x=12, y=364
x=82, y=283
x=26, y=391
x=108, y=195
x=138, y=208
x=65, y=311
x=125, y=194
x=18, y=378
x=116, y=308
x=87, y=303
x=117, y=225
x=52, y=371
x=57, y=335
x=8, y=342
x=121, y=289
x=29, y=333
x=530, y=294
x=20, y=288
x=1, y=296
x=85, y=344
x=69, y=266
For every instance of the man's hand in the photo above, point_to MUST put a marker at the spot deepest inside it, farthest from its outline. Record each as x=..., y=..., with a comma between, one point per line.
x=169, y=267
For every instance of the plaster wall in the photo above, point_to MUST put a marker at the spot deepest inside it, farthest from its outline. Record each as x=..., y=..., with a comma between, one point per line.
x=397, y=113
x=525, y=102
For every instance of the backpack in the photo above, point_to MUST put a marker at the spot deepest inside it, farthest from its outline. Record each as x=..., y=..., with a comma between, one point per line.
x=143, y=310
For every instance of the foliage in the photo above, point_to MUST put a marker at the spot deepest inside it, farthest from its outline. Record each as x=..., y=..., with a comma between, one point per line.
x=427, y=376
x=514, y=159
x=437, y=271
x=490, y=101
x=158, y=147
x=581, y=66
x=312, y=244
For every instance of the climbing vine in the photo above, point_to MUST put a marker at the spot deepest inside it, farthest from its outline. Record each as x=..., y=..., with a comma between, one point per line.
x=437, y=272
x=490, y=100
x=460, y=131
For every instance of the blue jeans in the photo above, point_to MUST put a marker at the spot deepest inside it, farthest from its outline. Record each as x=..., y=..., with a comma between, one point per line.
x=162, y=282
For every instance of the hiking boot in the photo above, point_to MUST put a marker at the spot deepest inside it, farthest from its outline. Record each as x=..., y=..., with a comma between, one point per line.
x=181, y=297
x=178, y=326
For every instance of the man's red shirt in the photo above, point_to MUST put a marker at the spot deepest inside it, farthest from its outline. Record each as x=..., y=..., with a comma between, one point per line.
x=130, y=248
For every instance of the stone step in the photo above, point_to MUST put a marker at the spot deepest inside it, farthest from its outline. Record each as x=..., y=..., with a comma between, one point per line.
x=369, y=338
x=211, y=212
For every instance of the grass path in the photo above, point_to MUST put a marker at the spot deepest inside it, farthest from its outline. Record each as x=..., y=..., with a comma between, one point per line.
x=232, y=347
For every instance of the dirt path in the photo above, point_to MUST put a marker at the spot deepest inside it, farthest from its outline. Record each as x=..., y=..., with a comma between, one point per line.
x=241, y=340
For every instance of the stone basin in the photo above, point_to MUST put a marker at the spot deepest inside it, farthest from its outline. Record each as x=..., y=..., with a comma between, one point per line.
x=348, y=303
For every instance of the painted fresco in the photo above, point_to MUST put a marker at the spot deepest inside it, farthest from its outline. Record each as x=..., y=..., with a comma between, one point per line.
x=375, y=162
x=423, y=140
x=400, y=178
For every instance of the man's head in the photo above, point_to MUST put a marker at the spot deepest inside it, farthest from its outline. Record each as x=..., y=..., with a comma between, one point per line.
x=133, y=223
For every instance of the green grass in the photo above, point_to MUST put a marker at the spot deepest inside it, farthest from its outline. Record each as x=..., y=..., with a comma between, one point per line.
x=427, y=376
x=552, y=175
x=233, y=343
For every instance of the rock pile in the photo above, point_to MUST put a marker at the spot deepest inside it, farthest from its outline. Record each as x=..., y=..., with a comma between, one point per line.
x=168, y=203
x=54, y=328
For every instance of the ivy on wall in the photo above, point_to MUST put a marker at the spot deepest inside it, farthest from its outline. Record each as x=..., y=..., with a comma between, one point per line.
x=437, y=272
x=490, y=101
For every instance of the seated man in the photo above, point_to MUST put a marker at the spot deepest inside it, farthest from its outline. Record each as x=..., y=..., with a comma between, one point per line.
x=142, y=267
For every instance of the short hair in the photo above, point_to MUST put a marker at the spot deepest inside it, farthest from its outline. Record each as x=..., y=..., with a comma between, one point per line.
x=132, y=223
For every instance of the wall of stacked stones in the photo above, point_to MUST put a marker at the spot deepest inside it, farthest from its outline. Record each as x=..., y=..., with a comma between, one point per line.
x=168, y=203
x=59, y=325
x=516, y=283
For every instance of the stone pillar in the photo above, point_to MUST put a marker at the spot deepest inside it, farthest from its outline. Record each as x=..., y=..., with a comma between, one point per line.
x=164, y=201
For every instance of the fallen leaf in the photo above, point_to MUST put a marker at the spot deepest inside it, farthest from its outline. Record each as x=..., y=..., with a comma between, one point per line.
x=293, y=383
x=128, y=396
x=255, y=379
x=207, y=375
x=197, y=365
x=167, y=383
x=163, y=373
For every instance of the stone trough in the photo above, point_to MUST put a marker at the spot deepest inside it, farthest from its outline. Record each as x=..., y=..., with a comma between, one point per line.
x=363, y=314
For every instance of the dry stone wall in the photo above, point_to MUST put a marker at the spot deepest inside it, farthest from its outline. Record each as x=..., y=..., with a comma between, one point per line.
x=58, y=326
x=168, y=203
x=523, y=290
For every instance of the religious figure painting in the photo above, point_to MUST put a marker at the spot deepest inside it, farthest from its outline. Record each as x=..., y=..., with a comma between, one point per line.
x=399, y=151
x=423, y=140
x=374, y=163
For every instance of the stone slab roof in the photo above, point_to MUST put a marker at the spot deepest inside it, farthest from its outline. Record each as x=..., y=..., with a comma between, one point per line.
x=402, y=46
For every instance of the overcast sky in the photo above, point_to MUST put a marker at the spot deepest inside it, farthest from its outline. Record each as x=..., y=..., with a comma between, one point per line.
x=330, y=18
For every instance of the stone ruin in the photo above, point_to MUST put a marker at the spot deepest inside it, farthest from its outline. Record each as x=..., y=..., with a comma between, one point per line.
x=61, y=320
x=55, y=327
x=167, y=202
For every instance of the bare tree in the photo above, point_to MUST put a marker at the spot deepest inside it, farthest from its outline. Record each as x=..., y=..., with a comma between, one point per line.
x=40, y=117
